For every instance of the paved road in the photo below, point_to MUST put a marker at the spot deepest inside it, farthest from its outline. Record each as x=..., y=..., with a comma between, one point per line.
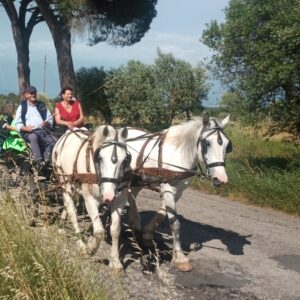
x=238, y=251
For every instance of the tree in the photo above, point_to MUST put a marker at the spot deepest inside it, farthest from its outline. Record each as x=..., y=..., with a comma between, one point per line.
x=22, y=26
x=119, y=22
x=154, y=95
x=257, y=55
x=179, y=86
x=129, y=90
x=232, y=104
x=91, y=92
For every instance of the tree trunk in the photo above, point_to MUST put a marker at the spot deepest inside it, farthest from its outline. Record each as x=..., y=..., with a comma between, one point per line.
x=62, y=41
x=21, y=38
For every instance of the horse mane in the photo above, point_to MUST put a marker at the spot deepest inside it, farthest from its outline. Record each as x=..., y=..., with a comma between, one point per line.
x=186, y=134
x=99, y=137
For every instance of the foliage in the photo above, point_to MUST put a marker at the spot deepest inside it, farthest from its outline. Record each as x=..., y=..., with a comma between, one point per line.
x=129, y=90
x=118, y=22
x=179, y=86
x=155, y=94
x=91, y=93
x=261, y=171
x=232, y=103
x=10, y=97
x=256, y=54
x=40, y=266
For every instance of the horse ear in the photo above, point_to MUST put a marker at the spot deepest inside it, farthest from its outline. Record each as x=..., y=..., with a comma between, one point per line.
x=225, y=121
x=205, y=119
x=105, y=131
x=124, y=132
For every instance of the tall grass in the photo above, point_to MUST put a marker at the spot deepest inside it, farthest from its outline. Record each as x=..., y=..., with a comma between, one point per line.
x=41, y=266
x=261, y=171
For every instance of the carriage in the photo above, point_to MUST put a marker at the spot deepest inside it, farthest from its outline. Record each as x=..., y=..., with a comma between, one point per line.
x=113, y=166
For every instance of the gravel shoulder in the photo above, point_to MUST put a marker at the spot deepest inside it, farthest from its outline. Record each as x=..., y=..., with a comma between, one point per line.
x=237, y=250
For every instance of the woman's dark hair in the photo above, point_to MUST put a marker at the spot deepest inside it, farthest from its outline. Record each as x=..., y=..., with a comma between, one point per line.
x=66, y=88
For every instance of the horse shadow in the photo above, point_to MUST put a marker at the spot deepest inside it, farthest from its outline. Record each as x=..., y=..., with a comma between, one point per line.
x=193, y=237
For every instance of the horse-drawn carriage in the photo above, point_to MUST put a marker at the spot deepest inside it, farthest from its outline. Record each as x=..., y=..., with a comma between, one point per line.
x=112, y=166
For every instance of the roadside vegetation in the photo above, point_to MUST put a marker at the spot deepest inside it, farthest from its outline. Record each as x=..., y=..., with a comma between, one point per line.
x=262, y=171
x=40, y=264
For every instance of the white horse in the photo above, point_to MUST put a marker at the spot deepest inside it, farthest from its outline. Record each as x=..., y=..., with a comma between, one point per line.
x=93, y=165
x=167, y=161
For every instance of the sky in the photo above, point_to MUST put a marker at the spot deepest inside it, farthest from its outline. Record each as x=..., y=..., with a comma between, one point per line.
x=176, y=29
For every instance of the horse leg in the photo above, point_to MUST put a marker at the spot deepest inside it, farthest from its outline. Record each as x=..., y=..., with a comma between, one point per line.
x=62, y=219
x=134, y=218
x=92, y=207
x=180, y=260
x=71, y=212
x=151, y=227
x=115, y=229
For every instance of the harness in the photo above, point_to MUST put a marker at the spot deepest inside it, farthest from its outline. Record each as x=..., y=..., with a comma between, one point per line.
x=40, y=106
x=144, y=175
x=126, y=176
x=159, y=174
x=204, y=145
x=89, y=177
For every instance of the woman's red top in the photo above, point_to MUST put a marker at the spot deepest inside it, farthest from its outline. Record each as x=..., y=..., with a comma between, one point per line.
x=71, y=116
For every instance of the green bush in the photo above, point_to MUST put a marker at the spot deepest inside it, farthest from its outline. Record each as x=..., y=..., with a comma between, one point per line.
x=264, y=172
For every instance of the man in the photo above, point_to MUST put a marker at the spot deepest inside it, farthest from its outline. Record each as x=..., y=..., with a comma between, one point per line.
x=32, y=120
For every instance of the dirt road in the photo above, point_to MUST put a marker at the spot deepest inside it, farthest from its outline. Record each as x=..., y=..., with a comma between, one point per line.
x=238, y=251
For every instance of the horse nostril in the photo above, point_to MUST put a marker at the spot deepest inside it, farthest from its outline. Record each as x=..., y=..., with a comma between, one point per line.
x=109, y=201
x=216, y=181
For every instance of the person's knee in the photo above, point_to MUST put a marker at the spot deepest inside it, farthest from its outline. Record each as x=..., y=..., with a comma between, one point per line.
x=32, y=138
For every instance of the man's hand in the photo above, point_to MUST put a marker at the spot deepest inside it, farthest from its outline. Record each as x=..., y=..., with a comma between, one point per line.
x=45, y=124
x=28, y=128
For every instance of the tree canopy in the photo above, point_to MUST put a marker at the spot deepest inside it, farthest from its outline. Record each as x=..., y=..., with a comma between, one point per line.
x=155, y=94
x=118, y=22
x=91, y=93
x=257, y=55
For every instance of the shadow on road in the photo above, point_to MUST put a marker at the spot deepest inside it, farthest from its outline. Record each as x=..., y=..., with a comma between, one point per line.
x=193, y=236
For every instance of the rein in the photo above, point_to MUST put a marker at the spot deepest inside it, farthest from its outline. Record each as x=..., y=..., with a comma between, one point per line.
x=163, y=175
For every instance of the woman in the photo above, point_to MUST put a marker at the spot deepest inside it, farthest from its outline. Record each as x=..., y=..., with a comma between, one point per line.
x=68, y=112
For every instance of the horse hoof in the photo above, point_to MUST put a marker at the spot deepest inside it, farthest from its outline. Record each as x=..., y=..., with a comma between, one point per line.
x=93, y=244
x=116, y=267
x=184, y=266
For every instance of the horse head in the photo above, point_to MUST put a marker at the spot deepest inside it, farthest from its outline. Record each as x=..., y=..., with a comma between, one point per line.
x=213, y=145
x=112, y=161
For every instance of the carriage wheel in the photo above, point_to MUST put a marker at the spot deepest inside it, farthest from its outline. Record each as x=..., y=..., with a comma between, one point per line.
x=29, y=199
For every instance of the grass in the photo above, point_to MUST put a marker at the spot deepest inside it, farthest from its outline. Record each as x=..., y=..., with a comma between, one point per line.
x=41, y=266
x=262, y=171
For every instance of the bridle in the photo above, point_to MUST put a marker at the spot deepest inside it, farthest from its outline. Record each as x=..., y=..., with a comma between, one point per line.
x=123, y=178
x=204, y=145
